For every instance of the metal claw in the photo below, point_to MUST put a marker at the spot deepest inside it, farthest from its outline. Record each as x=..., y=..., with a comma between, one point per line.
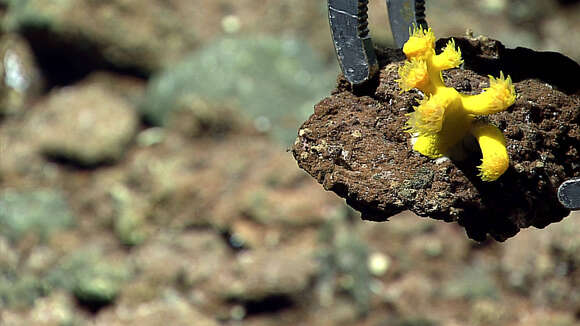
x=403, y=14
x=569, y=194
x=352, y=42
x=350, y=34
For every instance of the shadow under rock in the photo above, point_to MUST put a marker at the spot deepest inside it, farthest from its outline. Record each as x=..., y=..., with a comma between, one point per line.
x=503, y=203
x=67, y=60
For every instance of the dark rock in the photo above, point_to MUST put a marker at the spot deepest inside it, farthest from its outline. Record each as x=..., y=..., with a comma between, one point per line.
x=72, y=38
x=354, y=145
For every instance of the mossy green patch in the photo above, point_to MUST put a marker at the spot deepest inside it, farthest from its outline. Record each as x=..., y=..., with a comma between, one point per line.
x=39, y=211
x=276, y=82
x=89, y=277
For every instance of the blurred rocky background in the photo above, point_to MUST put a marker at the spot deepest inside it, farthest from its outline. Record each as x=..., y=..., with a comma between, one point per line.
x=144, y=177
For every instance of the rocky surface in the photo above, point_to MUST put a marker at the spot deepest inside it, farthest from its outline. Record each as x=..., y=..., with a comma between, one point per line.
x=172, y=311
x=123, y=34
x=354, y=145
x=206, y=217
x=254, y=75
x=57, y=309
x=24, y=213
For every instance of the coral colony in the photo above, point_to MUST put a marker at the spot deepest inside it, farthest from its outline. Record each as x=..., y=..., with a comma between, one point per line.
x=445, y=116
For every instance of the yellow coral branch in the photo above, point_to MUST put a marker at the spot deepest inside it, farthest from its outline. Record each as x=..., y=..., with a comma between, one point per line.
x=428, y=117
x=449, y=58
x=495, y=160
x=413, y=74
x=497, y=97
x=421, y=43
x=429, y=145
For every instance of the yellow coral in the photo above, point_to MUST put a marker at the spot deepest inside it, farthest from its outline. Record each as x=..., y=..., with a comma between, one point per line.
x=449, y=58
x=428, y=117
x=445, y=116
x=420, y=44
x=413, y=74
x=495, y=159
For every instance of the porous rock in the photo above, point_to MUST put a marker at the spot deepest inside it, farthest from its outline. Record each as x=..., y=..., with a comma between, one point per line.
x=355, y=144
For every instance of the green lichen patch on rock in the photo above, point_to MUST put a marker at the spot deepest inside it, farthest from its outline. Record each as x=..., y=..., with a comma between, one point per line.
x=94, y=280
x=273, y=81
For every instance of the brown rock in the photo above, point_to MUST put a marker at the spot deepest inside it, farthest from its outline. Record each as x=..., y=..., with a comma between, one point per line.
x=194, y=256
x=354, y=144
x=86, y=125
x=260, y=274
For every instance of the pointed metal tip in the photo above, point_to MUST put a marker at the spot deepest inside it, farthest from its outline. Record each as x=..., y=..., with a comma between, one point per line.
x=569, y=194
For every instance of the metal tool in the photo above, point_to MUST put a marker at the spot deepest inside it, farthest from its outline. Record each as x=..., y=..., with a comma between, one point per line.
x=352, y=42
x=403, y=14
x=358, y=61
x=569, y=194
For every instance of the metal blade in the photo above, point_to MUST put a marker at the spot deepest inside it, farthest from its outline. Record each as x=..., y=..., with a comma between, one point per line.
x=569, y=194
x=403, y=14
x=352, y=42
